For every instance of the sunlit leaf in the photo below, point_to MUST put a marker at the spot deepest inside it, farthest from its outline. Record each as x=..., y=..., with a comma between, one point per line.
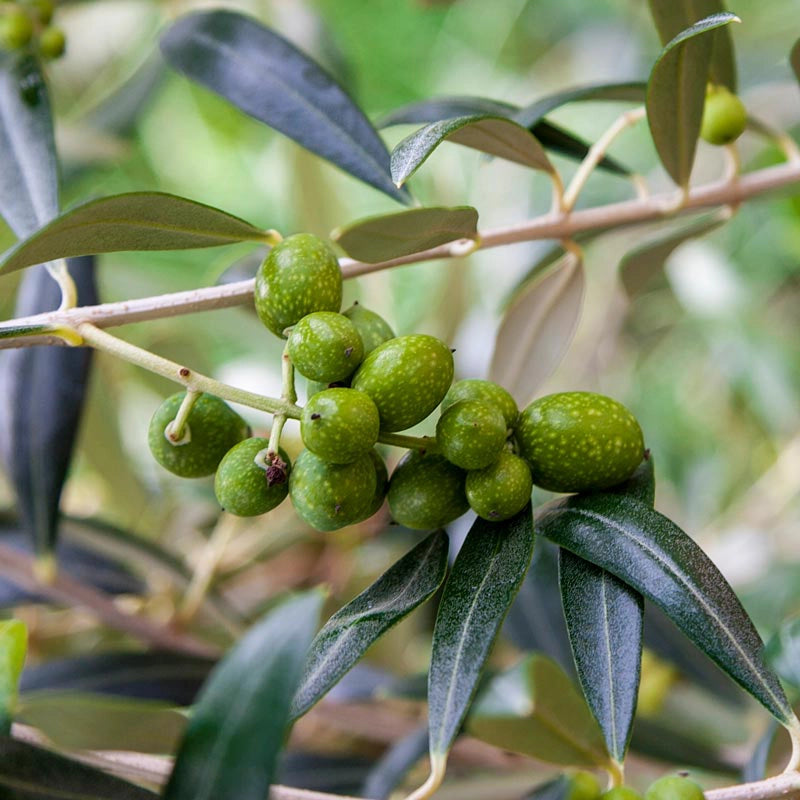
x=537, y=329
x=676, y=94
x=13, y=647
x=268, y=78
x=394, y=235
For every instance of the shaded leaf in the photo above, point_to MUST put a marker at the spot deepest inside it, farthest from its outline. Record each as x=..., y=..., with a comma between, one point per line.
x=555, y=789
x=755, y=769
x=238, y=724
x=604, y=620
x=537, y=329
x=783, y=652
x=29, y=178
x=350, y=631
x=393, y=766
x=13, y=647
x=561, y=141
x=133, y=221
x=11, y=331
x=270, y=79
x=676, y=94
x=794, y=58
x=652, y=555
x=320, y=772
x=496, y=135
x=44, y=391
x=673, y=16
x=484, y=580
x=28, y=772
x=535, y=709
x=393, y=235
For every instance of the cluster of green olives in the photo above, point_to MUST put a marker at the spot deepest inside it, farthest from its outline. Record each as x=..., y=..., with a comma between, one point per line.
x=27, y=23
x=584, y=785
x=364, y=384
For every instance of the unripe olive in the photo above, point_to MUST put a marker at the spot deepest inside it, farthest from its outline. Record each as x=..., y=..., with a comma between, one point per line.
x=578, y=441
x=620, y=793
x=372, y=328
x=407, y=378
x=247, y=488
x=485, y=391
x=329, y=496
x=300, y=275
x=471, y=434
x=339, y=425
x=673, y=787
x=52, y=42
x=325, y=346
x=381, y=484
x=500, y=490
x=426, y=491
x=16, y=29
x=212, y=428
x=724, y=116
x=582, y=785
x=44, y=10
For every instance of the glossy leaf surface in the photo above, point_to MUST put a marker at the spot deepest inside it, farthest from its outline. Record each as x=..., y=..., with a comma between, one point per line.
x=13, y=647
x=268, y=78
x=346, y=636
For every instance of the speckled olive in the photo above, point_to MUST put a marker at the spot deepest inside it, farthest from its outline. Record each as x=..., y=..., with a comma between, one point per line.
x=325, y=346
x=299, y=275
x=485, y=391
x=500, y=490
x=426, y=491
x=381, y=484
x=407, y=378
x=724, y=116
x=372, y=328
x=471, y=434
x=329, y=496
x=674, y=787
x=582, y=785
x=578, y=441
x=247, y=488
x=212, y=428
x=339, y=425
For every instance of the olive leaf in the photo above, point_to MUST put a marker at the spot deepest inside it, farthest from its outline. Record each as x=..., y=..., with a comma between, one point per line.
x=13, y=648
x=395, y=764
x=794, y=58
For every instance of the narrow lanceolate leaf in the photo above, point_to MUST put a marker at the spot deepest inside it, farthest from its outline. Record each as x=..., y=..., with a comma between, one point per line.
x=270, y=79
x=794, y=58
x=495, y=135
x=676, y=94
x=351, y=630
x=537, y=329
x=654, y=556
x=535, y=709
x=393, y=766
x=673, y=16
x=12, y=331
x=28, y=772
x=44, y=390
x=393, y=235
x=485, y=578
x=29, y=177
x=238, y=725
x=604, y=620
x=135, y=221
x=13, y=647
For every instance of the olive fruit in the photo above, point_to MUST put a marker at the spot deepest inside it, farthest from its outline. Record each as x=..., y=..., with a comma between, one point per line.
x=52, y=42
x=620, y=793
x=44, y=10
x=381, y=484
x=582, y=785
x=246, y=487
x=500, y=490
x=407, y=378
x=724, y=116
x=673, y=787
x=16, y=29
x=325, y=346
x=299, y=275
x=471, y=434
x=372, y=328
x=485, y=391
x=329, y=496
x=339, y=425
x=578, y=441
x=212, y=428
x=426, y=491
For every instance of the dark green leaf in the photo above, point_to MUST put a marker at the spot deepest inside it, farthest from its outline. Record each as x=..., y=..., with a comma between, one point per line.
x=676, y=95
x=351, y=630
x=655, y=557
x=554, y=789
x=485, y=578
x=13, y=647
x=29, y=177
x=394, y=235
x=641, y=485
x=496, y=135
x=134, y=221
x=238, y=724
x=268, y=78
x=11, y=331
x=604, y=620
x=535, y=709
x=32, y=773
x=783, y=652
x=755, y=769
x=44, y=388
x=794, y=59
x=673, y=16
x=555, y=138
x=395, y=764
